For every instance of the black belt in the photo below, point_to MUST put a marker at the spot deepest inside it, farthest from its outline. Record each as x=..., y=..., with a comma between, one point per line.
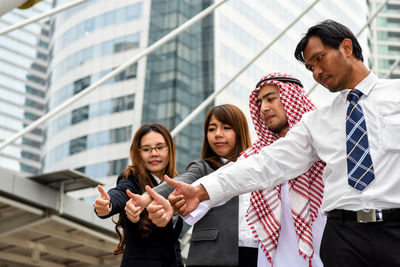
x=365, y=216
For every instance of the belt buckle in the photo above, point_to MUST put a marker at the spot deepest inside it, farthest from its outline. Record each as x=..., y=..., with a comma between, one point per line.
x=367, y=216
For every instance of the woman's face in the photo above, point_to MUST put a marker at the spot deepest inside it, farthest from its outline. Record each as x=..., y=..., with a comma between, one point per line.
x=154, y=152
x=221, y=137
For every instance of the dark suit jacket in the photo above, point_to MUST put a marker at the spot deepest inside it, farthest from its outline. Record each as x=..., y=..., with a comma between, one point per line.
x=215, y=237
x=160, y=249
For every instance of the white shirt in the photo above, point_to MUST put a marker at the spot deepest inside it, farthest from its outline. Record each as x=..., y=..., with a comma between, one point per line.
x=246, y=238
x=287, y=251
x=320, y=135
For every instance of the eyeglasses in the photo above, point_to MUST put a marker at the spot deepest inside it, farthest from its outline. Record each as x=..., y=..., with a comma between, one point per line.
x=149, y=149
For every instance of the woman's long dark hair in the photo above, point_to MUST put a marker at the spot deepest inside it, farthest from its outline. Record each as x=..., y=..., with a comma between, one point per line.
x=144, y=177
x=234, y=117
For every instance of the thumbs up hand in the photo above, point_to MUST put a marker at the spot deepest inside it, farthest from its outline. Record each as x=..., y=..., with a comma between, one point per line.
x=102, y=204
x=185, y=198
x=160, y=211
x=135, y=205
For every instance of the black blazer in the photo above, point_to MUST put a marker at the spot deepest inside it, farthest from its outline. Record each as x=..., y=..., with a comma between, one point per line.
x=160, y=249
x=215, y=237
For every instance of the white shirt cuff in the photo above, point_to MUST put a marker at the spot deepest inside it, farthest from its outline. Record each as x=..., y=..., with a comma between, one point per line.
x=198, y=213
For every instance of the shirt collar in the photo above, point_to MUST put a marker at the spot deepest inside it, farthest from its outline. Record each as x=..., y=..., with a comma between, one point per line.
x=155, y=178
x=224, y=160
x=365, y=86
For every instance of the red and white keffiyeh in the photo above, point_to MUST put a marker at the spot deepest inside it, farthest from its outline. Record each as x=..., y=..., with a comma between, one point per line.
x=305, y=191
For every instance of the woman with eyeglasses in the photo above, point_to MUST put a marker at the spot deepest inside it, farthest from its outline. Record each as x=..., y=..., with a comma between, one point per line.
x=214, y=241
x=142, y=243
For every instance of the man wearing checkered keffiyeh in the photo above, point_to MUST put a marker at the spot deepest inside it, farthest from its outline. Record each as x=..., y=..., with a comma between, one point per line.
x=288, y=213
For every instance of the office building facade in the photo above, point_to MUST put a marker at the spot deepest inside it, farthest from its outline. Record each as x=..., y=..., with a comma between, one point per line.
x=23, y=67
x=384, y=40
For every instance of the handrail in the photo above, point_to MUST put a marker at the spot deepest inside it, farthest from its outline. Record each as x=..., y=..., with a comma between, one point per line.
x=393, y=67
x=41, y=16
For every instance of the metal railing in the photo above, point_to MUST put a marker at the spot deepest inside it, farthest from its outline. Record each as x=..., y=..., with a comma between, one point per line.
x=41, y=16
x=393, y=67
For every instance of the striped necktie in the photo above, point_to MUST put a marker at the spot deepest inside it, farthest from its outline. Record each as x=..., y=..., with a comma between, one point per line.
x=360, y=169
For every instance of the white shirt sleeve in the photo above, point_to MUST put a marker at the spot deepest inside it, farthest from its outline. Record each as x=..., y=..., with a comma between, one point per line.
x=204, y=206
x=201, y=210
x=198, y=213
x=287, y=158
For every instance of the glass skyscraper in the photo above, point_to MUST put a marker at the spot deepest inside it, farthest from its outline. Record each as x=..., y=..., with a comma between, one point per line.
x=384, y=40
x=23, y=66
x=179, y=75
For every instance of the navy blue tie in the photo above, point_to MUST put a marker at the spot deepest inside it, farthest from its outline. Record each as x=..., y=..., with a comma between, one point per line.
x=359, y=163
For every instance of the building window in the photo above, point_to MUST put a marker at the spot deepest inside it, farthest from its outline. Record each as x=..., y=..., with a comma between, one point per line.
x=81, y=84
x=36, y=79
x=100, y=50
x=38, y=67
x=31, y=116
x=129, y=73
x=29, y=142
x=77, y=145
x=27, y=168
x=78, y=85
x=34, y=91
x=87, y=142
x=104, y=169
x=29, y=155
x=120, y=135
x=80, y=114
x=33, y=104
x=113, y=17
x=118, y=104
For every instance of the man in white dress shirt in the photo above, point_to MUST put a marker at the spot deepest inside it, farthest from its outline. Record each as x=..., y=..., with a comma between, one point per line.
x=363, y=226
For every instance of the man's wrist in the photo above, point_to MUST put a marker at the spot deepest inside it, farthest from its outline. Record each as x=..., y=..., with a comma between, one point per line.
x=201, y=193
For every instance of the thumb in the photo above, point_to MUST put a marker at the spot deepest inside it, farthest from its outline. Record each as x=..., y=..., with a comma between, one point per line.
x=154, y=195
x=103, y=192
x=133, y=196
x=130, y=194
x=171, y=182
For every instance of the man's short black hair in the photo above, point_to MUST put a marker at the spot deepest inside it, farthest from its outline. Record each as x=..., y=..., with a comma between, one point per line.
x=332, y=34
